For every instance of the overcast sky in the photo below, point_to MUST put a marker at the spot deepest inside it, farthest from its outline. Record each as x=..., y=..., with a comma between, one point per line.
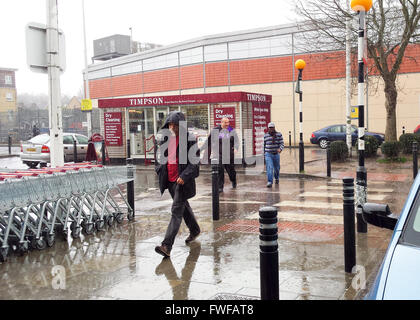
x=156, y=21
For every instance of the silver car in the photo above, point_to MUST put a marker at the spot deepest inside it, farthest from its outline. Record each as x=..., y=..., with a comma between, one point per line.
x=37, y=150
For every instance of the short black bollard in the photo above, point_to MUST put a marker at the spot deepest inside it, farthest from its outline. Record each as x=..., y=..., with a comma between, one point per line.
x=9, y=143
x=403, y=130
x=103, y=153
x=349, y=228
x=74, y=150
x=269, y=255
x=215, y=188
x=290, y=140
x=328, y=159
x=415, y=165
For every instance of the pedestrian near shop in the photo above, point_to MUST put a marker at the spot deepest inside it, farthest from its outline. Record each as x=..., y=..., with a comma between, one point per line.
x=273, y=146
x=228, y=145
x=178, y=178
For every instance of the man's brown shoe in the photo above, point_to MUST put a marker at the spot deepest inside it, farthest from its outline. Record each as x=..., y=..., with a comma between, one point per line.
x=163, y=250
x=191, y=237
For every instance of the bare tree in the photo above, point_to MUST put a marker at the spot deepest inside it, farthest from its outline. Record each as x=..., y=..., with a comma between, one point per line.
x=392, y=25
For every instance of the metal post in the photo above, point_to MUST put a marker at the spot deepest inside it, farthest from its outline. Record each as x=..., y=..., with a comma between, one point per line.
x=74, y=150
x=361, y=189
x=290, y=140
x=9, y=142
x=215, y=188
x=103, y=153
x=54, y=90
x=269, y=255
x=130, y=186
x=415, y=166
x=403, y=130
x=328, y=159
x=86, y=73
x=301, y=146
x=349, y=232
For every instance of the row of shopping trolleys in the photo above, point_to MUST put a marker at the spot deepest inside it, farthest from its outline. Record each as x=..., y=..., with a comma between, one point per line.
x=37, y=205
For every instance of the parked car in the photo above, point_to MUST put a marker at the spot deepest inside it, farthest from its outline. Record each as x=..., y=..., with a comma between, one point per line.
x=398, y=277
x=37, y=150
x=338, y=132
x=417, y=129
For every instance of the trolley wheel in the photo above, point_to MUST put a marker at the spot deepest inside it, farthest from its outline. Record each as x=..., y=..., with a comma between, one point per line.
x=75, y=233
x=3, y=254
x=22, y=248
x=119, y=216
x=110, y=220
x=40, y=244
x=88, y=227
x=50, y=240
x=130, y=215
x=100, y=224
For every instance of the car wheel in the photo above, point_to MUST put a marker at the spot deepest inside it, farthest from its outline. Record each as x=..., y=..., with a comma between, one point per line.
x=323, y=143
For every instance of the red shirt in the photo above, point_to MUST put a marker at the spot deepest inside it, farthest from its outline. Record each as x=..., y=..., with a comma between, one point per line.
x=173, y=159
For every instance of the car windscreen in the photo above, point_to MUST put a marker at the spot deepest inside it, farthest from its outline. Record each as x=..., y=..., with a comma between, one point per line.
x=411, y=230
x=40, y=139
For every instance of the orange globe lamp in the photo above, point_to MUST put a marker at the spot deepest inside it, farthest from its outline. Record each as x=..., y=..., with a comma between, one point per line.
x=300, y=64
x=361, y=5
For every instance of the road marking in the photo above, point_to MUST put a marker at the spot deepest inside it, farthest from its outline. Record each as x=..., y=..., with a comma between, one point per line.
x=341, y=188
x=303, y=217
x=375, y=197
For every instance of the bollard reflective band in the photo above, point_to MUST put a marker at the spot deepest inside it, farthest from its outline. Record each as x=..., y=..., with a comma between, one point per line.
x=268, y=243
x=268, y=226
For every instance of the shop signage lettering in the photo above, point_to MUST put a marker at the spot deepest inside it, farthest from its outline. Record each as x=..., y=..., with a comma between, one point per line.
x=113, y=129
x=256, y=97
x=260, y=120
x=224, y=112
x=146, y=101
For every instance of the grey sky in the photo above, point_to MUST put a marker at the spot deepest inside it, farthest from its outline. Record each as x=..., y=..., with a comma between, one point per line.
x=157, y=21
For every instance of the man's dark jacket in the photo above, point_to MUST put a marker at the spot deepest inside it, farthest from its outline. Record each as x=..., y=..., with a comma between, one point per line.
x=188, y=171
x=233, y=142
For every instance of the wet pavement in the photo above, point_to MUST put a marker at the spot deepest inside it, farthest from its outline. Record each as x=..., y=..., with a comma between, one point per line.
x=223, y=263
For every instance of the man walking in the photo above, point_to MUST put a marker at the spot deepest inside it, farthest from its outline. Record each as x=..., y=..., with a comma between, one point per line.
x=273, y=146
x=228, y=145
x=178, y=178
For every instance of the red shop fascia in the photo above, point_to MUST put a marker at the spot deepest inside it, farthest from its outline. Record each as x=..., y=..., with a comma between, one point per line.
x=244, y=109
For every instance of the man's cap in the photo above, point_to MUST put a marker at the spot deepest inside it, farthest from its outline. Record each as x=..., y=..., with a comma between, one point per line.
x=271, y=125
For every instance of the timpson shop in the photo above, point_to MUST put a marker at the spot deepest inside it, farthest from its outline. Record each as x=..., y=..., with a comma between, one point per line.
x=137, y=120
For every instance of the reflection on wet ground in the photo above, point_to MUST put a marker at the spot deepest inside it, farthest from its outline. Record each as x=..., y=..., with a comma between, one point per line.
x=120, y=263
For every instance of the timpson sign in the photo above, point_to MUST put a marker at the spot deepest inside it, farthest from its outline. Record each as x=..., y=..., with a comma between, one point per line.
x=185, y=100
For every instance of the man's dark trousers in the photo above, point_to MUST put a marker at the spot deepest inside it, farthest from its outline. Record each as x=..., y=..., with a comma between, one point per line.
x=230, y=169
x=180, y=209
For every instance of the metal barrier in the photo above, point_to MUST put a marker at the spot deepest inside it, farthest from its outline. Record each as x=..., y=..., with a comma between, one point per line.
x=38, y=204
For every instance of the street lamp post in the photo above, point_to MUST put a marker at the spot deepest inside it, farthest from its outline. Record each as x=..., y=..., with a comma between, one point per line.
x=361, y=7
x=300, y=65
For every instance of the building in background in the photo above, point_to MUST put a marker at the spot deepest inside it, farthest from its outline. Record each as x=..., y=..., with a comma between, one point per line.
x=8, y=101
x=259, y=61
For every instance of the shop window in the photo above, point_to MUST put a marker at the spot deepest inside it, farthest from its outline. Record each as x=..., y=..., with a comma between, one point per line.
x=197, y=117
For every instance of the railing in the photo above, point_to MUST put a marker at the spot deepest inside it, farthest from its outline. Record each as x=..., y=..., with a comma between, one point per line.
x=153, y=148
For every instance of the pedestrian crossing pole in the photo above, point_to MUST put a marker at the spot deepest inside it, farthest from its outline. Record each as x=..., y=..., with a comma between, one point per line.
x=300, y=65
x=361, y=7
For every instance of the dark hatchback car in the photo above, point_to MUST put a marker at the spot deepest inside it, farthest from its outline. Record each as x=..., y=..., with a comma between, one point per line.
x=338, y=132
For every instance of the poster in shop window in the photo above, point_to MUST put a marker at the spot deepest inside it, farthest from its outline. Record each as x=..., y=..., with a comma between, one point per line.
x=220, y=112
x=113, y=129
x=260, y=119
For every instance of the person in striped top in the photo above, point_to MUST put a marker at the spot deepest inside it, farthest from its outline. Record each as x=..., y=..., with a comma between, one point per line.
x=273, y=146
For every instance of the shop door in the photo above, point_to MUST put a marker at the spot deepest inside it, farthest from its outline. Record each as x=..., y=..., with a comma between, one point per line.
x=141, y=128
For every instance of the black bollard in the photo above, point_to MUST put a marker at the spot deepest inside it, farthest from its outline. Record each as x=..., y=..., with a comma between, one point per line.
x=403, y=130
x=74, y=150
x=243, y=153
x=130, y=186
x=328, y=159
x=269, y=255
x=290, y=140
x=215, y=188
x=415, y=165
x=103, y=153
x=349, y=228
x=9, y=143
